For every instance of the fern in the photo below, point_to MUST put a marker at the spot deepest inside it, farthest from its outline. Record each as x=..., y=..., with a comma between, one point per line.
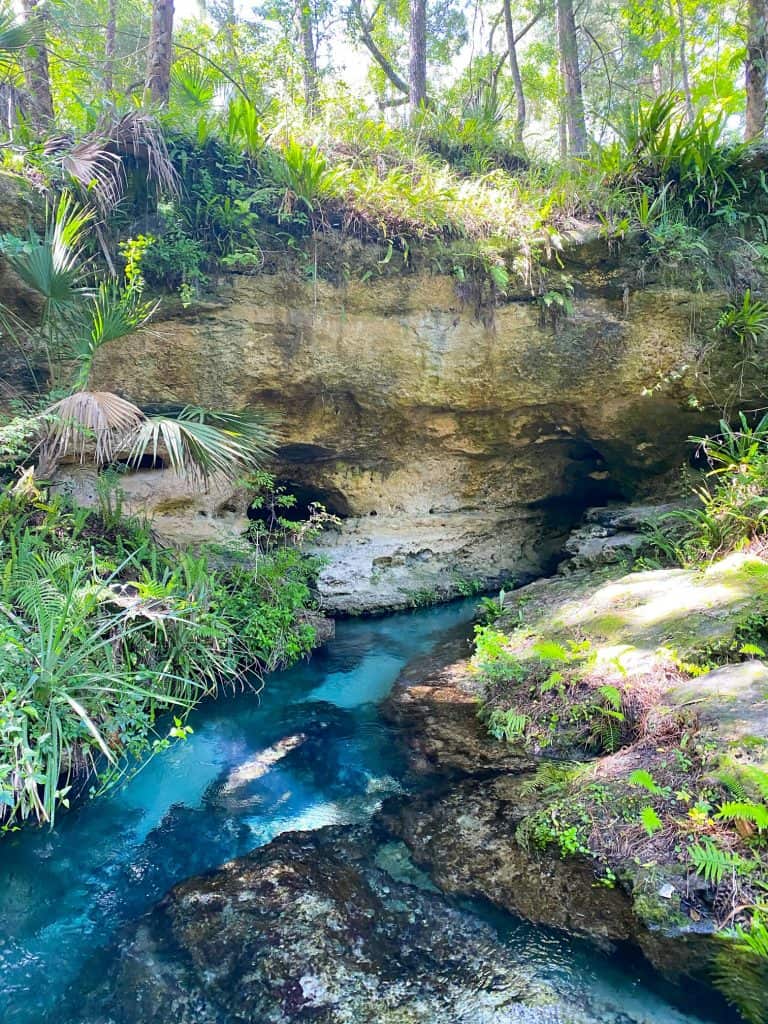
x=712, y=863
x=551, y=777
x=734, y=811
x=611, y=696
x=651, y=821
x=733, y=782
x=643, y=778
x=740, y=972
x=507, y=725
x=550, y=650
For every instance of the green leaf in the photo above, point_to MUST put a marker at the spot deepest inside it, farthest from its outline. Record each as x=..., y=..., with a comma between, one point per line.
x=651, y=821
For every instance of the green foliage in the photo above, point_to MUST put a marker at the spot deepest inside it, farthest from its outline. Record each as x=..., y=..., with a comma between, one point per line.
x=740, y=971
x=735, y=811
x=506, y=725
x=651, y=822
x=733, y=501
x=746, y=321
x=712, y=863
x=101, y=631
x=684, y=159
x=643, y=778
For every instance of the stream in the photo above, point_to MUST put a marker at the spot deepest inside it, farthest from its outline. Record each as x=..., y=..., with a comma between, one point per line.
x=67, y=892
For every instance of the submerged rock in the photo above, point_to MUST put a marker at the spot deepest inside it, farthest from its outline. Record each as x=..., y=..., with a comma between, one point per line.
x=309, y=928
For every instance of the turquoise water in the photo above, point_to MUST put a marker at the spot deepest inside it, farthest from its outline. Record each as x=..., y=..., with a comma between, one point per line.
x=310, y=750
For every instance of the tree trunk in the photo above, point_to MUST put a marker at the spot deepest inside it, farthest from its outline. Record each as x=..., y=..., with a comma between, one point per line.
x=514, y=69
x=658, y=69
x=684, y=68
x=417, y=66
x=110, y=45
x=36, y=74
x=573, y=96
x=158, y=83
x=309, y=53
x=755, y=69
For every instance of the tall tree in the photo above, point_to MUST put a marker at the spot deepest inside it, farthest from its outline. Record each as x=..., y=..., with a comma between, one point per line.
x=306, y=33
x=160, y=55
x=573, y=96
x=756, y=68
x=110, y=45
x=36, y=72
x=682, y=32
x=514, y=69
x=417, y=64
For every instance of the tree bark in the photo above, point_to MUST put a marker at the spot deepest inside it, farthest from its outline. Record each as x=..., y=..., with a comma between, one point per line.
x=309, y=53
x=110, y=45
x=417, y=65
x=35, y=62
x=573, y=96
x=514, y=68
x=755, y=71
x=684, y=67
x=158, y=83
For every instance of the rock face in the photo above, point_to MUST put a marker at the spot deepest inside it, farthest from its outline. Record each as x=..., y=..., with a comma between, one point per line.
x=538, y=843
x=456, y=450
x=311, y=928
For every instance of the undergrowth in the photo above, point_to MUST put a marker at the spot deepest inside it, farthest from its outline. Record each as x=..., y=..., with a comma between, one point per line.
x=108, y=640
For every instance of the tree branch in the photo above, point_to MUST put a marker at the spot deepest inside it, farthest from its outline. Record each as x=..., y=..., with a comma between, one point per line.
x=365, y=26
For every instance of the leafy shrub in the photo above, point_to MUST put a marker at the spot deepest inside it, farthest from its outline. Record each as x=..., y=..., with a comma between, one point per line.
x=101, y=631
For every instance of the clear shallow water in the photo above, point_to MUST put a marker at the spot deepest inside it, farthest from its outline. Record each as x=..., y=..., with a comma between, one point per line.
x=65, y=892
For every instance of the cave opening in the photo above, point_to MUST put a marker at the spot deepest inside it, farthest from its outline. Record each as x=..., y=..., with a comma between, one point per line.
x=306, y=496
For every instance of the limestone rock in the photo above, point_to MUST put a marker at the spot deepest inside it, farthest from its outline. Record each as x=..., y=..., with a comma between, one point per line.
x=311, y=928
x=456, y=450
x=181, y=511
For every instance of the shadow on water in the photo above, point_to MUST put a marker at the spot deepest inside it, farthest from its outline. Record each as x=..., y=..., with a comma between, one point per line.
x=310, y=750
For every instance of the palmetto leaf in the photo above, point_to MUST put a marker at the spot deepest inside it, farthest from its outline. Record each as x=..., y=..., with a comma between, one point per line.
x=52, y=265
x=95, y=162
x=97, y=170
x=86, y=420
x=113, y=314
x=200, y=444
x=195, y=84
x=14, y=36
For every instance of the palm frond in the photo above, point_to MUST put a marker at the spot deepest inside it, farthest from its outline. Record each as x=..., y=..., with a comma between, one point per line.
x=199, y=444
x=89, y=420
x=114, y=313
x=14, y=35
x=195, y=85
x=52, y=265
x=96, y=162
x=96, y=170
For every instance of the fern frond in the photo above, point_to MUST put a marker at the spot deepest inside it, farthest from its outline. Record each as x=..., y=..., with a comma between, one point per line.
x=734, y=811
x=712, y=863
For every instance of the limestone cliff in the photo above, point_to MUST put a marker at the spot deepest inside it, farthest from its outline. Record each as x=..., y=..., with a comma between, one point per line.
x=458, y=446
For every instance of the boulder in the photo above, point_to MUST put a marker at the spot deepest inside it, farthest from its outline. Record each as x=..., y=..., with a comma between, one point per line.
x=322, y=927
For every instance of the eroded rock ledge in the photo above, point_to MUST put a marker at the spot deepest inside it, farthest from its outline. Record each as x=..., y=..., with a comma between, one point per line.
x=490, y=826
x=454, y=449
x=322, y=927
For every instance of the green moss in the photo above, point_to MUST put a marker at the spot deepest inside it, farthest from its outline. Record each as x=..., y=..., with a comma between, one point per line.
x=656, y=912
x=608, y=625
x=172, y=506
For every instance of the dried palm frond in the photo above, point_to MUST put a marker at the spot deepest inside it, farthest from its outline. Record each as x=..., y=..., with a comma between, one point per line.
x=93, y=423
x=138, y=134
x=95, y=162
x=97, y=170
